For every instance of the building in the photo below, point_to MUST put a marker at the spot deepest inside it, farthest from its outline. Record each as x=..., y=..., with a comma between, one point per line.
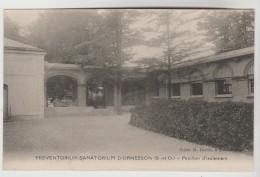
x=23, y=80
x=30, y=83
x=222, y=77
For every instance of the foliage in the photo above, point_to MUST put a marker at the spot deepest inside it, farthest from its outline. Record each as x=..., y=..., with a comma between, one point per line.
x=85, y=37
x=133, y=91
x=118, y=37
x=88, y=37
x=229, y=29
x=111, y=45
x=61, y=87
x=58, y=31
x=148, y=62
x=11, y=29
x=227, y=125
x=63, y=103
x=173, y=34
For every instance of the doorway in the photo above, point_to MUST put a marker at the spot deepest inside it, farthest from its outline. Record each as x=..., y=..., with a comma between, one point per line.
x=95, y=93
x=6, y=115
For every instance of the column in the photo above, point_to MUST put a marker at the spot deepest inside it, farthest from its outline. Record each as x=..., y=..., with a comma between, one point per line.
x=240, y=89
x=45, y=95
x=115, y=96
x=81, y=95
x=185, y=91
x=147, y=92
x=209, y=90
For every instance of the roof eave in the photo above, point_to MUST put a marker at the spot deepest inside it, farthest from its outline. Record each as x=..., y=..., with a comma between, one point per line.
x=24, y=49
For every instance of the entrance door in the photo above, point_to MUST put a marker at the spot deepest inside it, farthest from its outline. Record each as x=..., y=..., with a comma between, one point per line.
x=5, y=102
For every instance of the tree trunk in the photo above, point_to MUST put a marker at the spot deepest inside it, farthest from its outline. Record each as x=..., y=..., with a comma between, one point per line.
x=168, y=96
x=119, y=65
x=168, y=81
x=115, y=96
x=119, y=97
x=245, y=29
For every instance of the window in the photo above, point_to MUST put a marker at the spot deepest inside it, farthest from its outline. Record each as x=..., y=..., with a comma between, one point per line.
x=176, y=91
x=223, y=75
x=196, y=89
x=223, y=86
x=250, y=73
x=196, y=86
x=251, y=86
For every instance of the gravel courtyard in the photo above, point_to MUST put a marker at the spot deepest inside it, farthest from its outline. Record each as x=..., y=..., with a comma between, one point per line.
x=27, y=143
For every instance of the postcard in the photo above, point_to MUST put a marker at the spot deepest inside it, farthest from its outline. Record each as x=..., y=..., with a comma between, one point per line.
x=129, y=89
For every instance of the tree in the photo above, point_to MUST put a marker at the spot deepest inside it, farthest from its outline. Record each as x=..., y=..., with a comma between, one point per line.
x=111, y=46
x=11, y=29
x=229, y=29
x=58, y=31
x=174, y=37
x=88, y=37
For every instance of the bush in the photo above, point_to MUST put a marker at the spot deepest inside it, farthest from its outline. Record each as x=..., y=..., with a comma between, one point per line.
x=226, y=125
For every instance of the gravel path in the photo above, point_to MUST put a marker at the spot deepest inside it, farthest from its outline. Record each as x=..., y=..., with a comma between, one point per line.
x=28, y=144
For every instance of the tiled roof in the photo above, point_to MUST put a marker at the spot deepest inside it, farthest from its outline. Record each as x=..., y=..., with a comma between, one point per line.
x=14, y=45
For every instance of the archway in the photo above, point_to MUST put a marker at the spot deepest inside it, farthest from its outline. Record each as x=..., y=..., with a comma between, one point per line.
x=95, y=93
x=133, y=92
x=61, y=91
x=249, y=72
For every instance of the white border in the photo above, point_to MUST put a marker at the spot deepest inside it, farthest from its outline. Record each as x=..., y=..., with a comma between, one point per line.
x=32, y=4
x=127, y=3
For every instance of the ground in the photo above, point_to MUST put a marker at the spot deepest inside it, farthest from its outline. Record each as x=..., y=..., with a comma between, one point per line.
x=108, y=136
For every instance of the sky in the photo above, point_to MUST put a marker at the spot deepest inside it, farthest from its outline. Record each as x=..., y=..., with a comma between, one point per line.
x=25, y=17
x=22, y=17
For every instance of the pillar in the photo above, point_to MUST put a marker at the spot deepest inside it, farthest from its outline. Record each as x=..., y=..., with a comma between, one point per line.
x=240, y=89
x=147, y=92
x=147, y=97
x=81, y=95
x=185, y=91
x=209, y=90
x=115, y=96
x=45, y=95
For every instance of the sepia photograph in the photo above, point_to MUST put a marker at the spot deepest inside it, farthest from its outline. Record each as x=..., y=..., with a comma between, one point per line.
x=128, y=89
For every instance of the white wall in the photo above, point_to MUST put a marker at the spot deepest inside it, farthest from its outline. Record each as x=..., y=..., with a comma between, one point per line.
x=24, y=75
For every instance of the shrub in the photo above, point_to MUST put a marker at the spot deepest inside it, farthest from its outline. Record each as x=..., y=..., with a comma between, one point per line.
x=226, y=125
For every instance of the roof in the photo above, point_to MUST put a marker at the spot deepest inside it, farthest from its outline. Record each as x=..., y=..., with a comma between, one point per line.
x=67, y=66
x=218, y=57
x=15, y=45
